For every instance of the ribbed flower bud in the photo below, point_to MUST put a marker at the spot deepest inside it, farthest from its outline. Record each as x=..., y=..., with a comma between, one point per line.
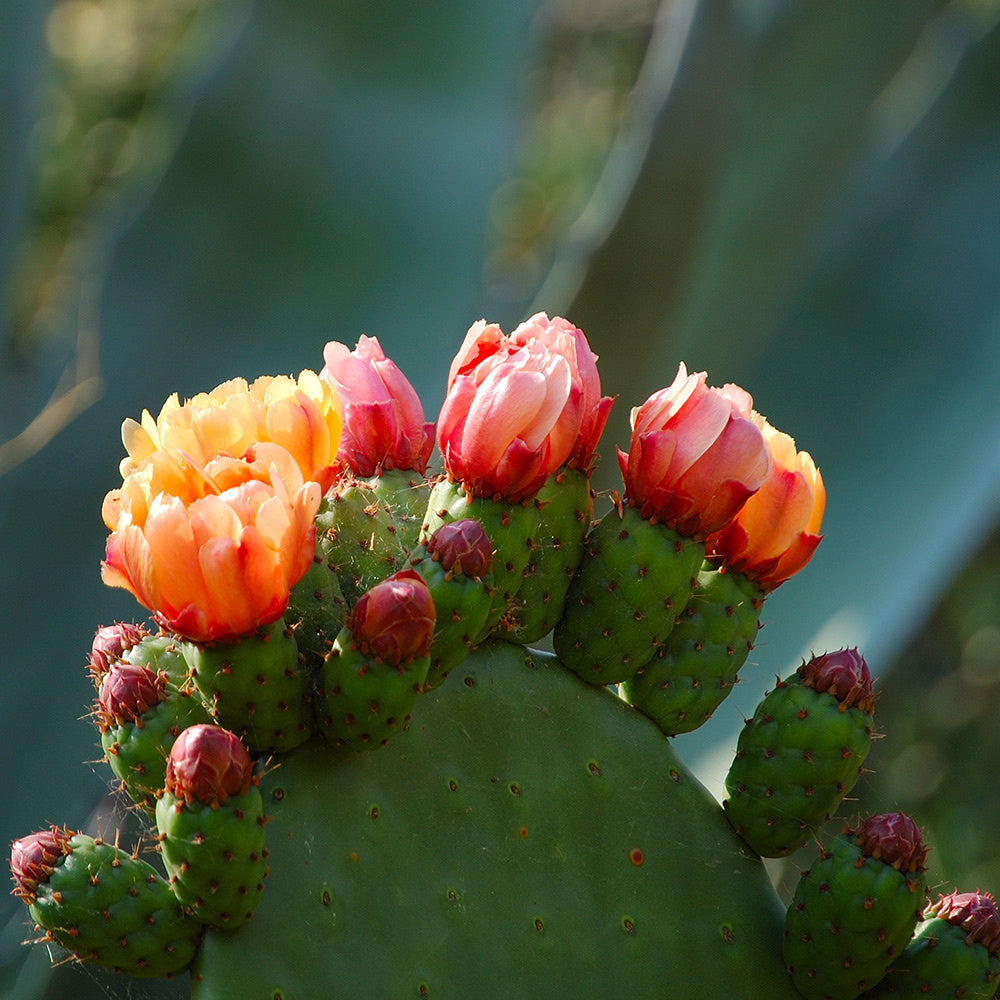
x=207, y=764
x=462, y=547
x=128, y=691
x=33, y=858
x=843, y=674
x=394, y=621
x=975, y=912
x=894, y=839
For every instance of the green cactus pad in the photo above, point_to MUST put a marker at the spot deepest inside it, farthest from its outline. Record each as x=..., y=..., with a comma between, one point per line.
x=215, y=855
x=565, y=508
x=502, y=847
x=256, y=687
x=363, y=701
x=636, y=577
x=795, y=760
x=137, y=751
x=316, y=611
x=108, y=907
x=696, y=668
x=850, y=916
x=510, y=528
x=162, y=654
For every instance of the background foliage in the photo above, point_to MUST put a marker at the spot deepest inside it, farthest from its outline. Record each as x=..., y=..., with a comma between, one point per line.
x=797, y=195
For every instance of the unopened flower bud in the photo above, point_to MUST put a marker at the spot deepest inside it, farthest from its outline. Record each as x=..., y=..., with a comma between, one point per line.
x=128, y=691
x=462, y=547
x=843, y=674
x=33, y=858
x=394, y=621
x=207, y=764
x=894, y=839
x=111, y=643
x=975, y=912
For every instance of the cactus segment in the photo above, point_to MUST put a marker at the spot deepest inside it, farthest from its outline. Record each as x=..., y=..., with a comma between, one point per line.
x=510, y=528
x=636, y=577
x=952, y=954
x=256, y=687
x=464, y=860
x=696, y=668
x=796, y=759
x=852, y=913
x=106, y=906
x=163, y=654
x=565, y=507
x=316, y=611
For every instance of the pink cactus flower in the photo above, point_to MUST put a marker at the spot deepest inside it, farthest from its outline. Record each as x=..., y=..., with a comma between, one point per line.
x=384, y=424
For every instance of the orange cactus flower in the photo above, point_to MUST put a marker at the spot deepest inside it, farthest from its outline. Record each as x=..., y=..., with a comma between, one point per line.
x=216, y=556
x=301, y=415
x=777, y=530
x=695, y=455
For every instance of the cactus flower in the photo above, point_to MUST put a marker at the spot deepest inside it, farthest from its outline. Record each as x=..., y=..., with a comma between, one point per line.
x=302, y=416
x=218, y=557
x=894, y=839
x=462, y=547
x=514, y=410
x=394, y=621
x=775, y=533
x=384, y=424
x=695, y=455
x=33, y=858
x=208, y=764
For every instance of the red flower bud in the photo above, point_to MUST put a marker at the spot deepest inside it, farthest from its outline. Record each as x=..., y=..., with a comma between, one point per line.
x=207, y=764
x=975, y=912
x=129, y=691
x=394, y=621
x=894, y=839
x=462, y=547
x=844, y=674
x=33, y=858
x=111, y=643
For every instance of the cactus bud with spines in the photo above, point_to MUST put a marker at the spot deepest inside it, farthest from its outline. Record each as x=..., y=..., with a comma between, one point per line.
x=256, y=686
x=378, y=665
x=801, y=753
x=102, y=904
x=855, y=909
x=111, y=642
x=455, y=564
x=140, y=713
x=211, y=826
x=955, y=952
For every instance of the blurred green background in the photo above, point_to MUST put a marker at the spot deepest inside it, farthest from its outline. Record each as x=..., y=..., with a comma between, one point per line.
x=800, y=196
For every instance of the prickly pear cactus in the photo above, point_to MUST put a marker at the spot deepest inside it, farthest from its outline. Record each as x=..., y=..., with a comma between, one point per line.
x=365, y=784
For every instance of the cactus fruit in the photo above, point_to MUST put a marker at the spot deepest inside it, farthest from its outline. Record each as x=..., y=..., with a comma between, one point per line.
x=855, y=909
x=103, y=904
x=801, y=753
x=140, y=714
x=954, y=953
x=509, y=526
x=635, y=578
x=256, y=686
x=211, y=823
x=565, y=506
x=464, y=860
x=696, y=668
x=455, y=564
x=376, y=670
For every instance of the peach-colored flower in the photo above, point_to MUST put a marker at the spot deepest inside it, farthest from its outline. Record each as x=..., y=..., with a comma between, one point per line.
x=695, y=455
x=216, y=556
x=514, y=409
x=301, y=415
x=384, y=424
x=777, y=530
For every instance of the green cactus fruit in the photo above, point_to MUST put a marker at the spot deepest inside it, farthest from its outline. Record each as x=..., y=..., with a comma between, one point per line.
x=103, y=904
x=954, y=953
x=111, y=642
x=363, y=536
x=694, y=671
x=855, y=909
x=257, y=686
x=316, y=611
x=211, y=826
x=636, y=577
x=455, y=564
x=502, y=847
x=509, y=526
x=163, y=654
x=565, y=507
x=801, y=753
x=378, y=665
x=140, y=713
